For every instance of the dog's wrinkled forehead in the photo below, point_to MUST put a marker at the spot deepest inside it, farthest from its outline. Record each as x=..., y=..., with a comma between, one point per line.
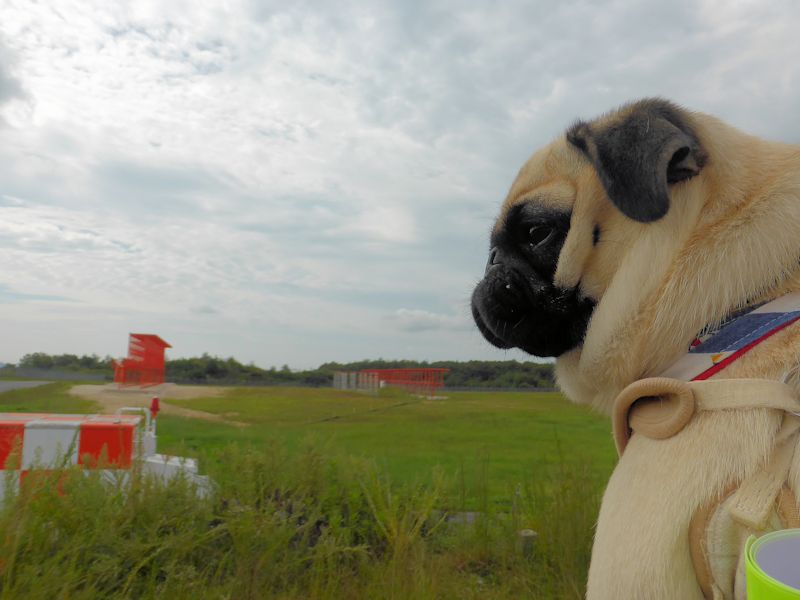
x=549, y=178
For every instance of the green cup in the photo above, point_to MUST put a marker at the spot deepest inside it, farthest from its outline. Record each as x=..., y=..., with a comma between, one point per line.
x=772, y=566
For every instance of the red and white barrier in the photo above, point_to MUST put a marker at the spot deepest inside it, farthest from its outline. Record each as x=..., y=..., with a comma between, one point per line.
x=56, y=440
x=35, y=442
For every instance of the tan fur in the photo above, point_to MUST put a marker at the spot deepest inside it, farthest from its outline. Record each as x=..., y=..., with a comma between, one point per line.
x=642, y=545
x=731, y=237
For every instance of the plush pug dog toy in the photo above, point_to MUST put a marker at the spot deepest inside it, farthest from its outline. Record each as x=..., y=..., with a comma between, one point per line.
x=655, y=252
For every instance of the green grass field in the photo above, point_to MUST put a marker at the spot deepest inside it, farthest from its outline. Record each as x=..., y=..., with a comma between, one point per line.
x=328, y=494
x=497, y=438
x=54, y=397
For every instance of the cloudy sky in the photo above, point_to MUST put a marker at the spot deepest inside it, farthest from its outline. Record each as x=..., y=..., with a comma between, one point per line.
x=298, y=182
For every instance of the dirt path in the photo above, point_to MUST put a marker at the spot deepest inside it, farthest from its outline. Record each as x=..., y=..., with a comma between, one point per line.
x=110, y=398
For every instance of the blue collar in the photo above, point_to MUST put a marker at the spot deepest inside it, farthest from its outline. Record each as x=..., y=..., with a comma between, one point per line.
x=715, y=348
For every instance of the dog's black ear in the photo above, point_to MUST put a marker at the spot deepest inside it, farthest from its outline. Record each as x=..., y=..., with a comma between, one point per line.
x=638, y=152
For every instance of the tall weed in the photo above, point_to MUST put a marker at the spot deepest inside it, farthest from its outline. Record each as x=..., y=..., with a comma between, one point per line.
x=291, y=525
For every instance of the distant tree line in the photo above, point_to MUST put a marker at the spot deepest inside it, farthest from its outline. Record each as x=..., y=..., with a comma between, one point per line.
x=229, y=371
x=65, y=362
x=472, y=373
x=212, y=369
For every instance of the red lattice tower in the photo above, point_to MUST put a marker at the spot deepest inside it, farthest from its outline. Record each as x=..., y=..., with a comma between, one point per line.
x=423, y=382
x=144, y=365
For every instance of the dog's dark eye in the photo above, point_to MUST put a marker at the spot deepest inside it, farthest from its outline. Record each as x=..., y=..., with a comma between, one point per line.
x=539, y=235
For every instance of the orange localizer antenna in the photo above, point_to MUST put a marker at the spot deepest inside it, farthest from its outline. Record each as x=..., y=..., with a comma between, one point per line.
x=144, y=365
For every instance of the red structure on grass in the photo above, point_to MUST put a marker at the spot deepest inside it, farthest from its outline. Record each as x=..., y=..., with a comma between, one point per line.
x=144, y=365
x=425, y=382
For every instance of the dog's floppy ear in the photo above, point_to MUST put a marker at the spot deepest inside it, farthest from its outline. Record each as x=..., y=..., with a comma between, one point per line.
x=638, y=152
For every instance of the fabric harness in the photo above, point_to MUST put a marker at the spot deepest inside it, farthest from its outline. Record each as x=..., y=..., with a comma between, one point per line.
x=660, y=407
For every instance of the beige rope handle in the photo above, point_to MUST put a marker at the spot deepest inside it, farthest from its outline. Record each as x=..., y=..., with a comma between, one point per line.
x=663, y=407
x=660, y=407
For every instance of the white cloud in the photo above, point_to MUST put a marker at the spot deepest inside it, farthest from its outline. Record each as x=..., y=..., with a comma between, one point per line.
x=278, y=181
x=412, y=320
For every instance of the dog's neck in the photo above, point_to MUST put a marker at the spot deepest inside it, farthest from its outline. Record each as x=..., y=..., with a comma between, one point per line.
x=651, y=355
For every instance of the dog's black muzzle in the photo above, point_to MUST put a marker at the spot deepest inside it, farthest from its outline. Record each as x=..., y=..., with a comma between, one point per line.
x=516, y=305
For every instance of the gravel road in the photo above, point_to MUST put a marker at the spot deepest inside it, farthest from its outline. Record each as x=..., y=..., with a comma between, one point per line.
x=6, y=386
